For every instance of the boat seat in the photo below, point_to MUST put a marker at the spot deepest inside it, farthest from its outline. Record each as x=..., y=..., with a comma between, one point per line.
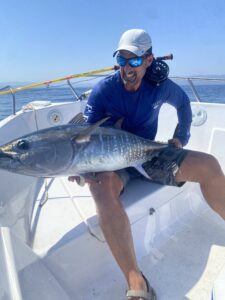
x=140, y=198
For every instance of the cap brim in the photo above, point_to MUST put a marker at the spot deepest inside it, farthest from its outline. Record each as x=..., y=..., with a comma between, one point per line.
x=130, y=48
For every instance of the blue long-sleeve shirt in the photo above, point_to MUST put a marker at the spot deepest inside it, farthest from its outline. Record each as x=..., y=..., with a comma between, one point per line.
x=140, y=109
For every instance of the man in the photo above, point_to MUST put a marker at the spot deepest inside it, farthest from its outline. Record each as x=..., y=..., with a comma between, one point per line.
x=127, y=96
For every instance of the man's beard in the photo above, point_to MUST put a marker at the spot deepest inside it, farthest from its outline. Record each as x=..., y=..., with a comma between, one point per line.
x=129, y=79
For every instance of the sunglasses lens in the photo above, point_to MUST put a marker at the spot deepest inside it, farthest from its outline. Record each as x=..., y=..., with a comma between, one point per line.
x=136, y=62
x=121, y=61
x=133, y=62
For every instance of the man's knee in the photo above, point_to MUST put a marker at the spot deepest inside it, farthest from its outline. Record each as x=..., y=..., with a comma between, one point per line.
x=109, y=183
x=210, y=165
x=200, y=167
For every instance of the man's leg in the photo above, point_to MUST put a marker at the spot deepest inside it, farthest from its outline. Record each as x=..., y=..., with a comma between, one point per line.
x=205, y=169
x=116, y=227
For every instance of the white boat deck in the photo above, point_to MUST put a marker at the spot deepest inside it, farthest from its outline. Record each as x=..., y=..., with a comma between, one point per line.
x=179, y=241
x=181, y=253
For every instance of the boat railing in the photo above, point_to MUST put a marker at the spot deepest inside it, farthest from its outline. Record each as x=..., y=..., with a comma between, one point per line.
x=9, y=89
x=94, y=75
x=192, y=86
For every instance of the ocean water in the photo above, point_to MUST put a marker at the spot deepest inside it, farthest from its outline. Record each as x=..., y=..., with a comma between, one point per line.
x=208, y=93
x=54, y=94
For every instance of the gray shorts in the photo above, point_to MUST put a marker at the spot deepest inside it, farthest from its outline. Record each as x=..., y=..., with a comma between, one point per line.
x=161, y=168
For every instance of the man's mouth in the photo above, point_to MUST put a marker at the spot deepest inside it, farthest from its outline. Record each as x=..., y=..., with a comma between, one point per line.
x=130, y=76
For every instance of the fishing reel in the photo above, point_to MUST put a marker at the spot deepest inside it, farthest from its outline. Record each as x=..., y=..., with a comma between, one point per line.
x=158, y=71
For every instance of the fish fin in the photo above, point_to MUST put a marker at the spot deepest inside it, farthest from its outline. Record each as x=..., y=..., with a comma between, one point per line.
x=142, y=171
x=78, y=119
x=84, y=136
x=119, y=123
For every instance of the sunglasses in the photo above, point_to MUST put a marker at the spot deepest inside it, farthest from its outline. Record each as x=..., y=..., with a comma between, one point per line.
x=133, y=62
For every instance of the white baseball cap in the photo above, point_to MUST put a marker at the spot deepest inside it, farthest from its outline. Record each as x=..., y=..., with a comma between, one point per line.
x=137, y=41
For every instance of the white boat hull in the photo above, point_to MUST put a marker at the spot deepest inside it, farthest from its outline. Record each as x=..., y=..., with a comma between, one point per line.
x=57, y=250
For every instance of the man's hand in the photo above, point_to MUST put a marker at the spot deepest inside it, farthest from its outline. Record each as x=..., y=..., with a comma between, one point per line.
x=79, y=180
x=86, y=178
x=176, y=142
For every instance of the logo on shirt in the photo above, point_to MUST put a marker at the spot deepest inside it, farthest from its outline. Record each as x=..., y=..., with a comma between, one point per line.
x=156, y=104
x=88, y=108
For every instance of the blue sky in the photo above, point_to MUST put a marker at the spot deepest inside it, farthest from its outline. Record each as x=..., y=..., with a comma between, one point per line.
x=47, y=39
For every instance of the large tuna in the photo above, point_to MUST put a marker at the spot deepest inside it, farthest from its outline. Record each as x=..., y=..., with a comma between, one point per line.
x=75, y=149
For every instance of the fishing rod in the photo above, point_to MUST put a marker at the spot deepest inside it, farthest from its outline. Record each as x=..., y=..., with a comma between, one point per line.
x=165, y=57
x=157, y=64
x=11, y=91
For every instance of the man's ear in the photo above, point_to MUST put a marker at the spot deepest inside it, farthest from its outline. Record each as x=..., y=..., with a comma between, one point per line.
x=149, y=60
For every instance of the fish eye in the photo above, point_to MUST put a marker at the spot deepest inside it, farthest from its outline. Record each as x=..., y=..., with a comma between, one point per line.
x=23, y=145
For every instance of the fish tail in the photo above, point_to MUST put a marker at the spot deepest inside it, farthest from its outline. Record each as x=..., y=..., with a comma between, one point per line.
x=152, y=145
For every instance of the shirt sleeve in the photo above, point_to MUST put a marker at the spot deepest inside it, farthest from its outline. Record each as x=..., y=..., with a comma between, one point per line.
x=94, y=110
x=179, y=99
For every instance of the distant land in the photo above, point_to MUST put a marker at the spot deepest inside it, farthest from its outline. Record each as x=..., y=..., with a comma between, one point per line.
x=63, y=84
x=14, y=84
x=88, y=82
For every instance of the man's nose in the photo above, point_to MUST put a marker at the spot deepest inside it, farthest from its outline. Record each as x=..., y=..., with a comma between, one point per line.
x=127, y=66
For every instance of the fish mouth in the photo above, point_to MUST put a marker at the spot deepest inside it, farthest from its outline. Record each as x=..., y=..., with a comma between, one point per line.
x=6, y=160
x=6, y=155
